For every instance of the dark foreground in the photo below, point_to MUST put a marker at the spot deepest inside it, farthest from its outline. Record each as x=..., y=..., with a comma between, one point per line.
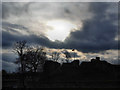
x=94, y=74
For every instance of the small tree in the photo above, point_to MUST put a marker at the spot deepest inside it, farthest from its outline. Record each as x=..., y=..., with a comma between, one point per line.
x=67, y=55
x=55, y=56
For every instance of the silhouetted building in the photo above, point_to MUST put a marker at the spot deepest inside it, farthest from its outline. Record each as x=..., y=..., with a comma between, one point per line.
x=96, y=65
x=75, y=63
x=70, y=67
x=94, y=73
x=86, y=66
x=51, y=66
x=98, y=58
x=95, y=60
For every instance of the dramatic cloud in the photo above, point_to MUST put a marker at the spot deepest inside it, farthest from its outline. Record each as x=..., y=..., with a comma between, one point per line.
x=101, y=27
x=96, y=32
x=10, y=38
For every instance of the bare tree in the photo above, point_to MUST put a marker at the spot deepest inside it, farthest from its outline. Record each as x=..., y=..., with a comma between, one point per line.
x=29, y=57
x=34, y=57
x=19, y=48
x=55, y=56
x=67, y=55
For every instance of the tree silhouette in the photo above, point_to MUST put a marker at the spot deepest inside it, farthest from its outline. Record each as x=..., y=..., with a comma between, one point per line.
x=20, y=48
x=34, y=57
x=67, y=55
x=55, y=56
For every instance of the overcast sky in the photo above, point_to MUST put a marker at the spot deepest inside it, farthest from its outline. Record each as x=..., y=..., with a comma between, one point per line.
x=60, y=1
x=90, y=28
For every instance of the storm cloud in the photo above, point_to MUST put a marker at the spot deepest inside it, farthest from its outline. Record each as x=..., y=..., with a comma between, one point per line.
x=97, y=33
x=10, y=35
x=96, y=37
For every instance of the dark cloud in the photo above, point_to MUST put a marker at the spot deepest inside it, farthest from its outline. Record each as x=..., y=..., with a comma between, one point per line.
x=97, y=33
x=9, y=38
x=15, y=26
x=67, y=11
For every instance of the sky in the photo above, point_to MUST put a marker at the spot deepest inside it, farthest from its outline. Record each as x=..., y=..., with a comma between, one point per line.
x=60, y=0
x=91, y=28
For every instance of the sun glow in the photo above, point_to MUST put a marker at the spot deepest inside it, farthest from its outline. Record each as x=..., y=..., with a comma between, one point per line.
x=60, y=29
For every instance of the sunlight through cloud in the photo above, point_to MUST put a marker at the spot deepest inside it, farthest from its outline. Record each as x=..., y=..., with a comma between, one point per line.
x=60, y=29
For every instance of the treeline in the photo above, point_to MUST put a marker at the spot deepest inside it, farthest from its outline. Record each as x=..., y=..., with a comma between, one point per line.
x=30, y=57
